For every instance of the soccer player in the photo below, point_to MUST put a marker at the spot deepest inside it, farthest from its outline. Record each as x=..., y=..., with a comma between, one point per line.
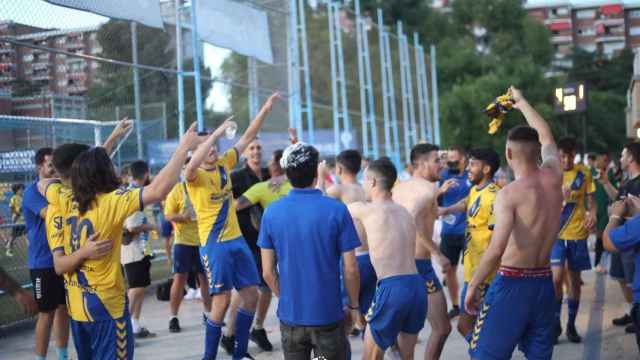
x=224, y=252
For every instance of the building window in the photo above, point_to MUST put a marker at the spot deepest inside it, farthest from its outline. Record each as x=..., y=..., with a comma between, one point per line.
x=563, y=11
x=634, y=14
x=587, y=31
x=610, y=48
x=27, y=58
x=586, y=14
x=634, y=31
x=588, y=47
x=62, y=83
x=61, y=40
x=61, y=56
x=62, y=68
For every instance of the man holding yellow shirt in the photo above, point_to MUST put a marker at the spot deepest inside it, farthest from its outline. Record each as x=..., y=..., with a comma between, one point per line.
x=577, y=219
x=266, y=192
x=178, y=209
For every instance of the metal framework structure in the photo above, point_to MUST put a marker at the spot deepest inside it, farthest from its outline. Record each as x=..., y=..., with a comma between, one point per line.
x=341, y=122
x=390, y=114
x=434, y=96
x=424, y=110
x=367, y=103
x=406, y=86
x=254, y=102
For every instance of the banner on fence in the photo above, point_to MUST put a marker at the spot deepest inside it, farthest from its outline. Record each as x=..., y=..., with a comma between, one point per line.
x=146, y=12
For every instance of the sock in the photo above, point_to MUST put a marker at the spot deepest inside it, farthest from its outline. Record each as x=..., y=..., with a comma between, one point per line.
x=172, y=317
x=573, y=311
x=135, y=324
x=38, y=357
x=212, y=340
x=257, y=327
x=243, y=324
x=627, y=308
x=62, y=353
x=558, y=309
x=468, y=337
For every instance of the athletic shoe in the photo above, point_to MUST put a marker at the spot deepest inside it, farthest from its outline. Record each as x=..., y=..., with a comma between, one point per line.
x=248, y=356
x=622, y=321
x=228, y=343
x=174, y=325
x=455, y=311
x=572, y=334
x=9, y=253
x=144, y=333
x=198, y=294
x=204, y=319
x=259, y=336
x=631, y=329
x=191, y=294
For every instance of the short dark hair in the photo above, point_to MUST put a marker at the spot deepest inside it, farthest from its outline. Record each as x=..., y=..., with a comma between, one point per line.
x=385, y=172
x=16, y=187
x=457, y=148
x=302, y=165
x=487, y=156
x=602, y=153
x=92, y=174
x=64, y=155
x=592, y=156
x=420, y=150
x=139, y=169
x=350, y=160
x=41, y=154
x=277, y=156
x=568, y=145
x=633, y=148
x=523, y=133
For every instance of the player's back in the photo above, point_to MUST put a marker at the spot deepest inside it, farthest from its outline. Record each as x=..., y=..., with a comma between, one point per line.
x=350, y=193
x=536, y=202
x=391, y=234
x=418, y=197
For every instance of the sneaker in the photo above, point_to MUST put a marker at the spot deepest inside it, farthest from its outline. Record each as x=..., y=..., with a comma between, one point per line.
x=144, y=333
x=9, y=253
x=204, y=319
x=622, y=321
x=228, y=343
x=198, y=294
x=174, y=325
x=191, y=294
x=631, y=329
x=455, y=311
x=572, y=334
x=248, y=356
x=259, y=336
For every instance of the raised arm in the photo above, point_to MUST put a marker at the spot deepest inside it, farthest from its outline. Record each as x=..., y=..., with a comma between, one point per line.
x=252, y=131
x=121, y=129
x=460, y=206
x=91, y=249
x=203, y=149
x=534, y=119
x=169, y=175
x=505, y=217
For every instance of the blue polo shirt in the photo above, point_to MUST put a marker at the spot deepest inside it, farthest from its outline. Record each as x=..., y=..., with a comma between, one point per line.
x=39, y=253
x=626, y=237
x=309, y=232
x=454, y=224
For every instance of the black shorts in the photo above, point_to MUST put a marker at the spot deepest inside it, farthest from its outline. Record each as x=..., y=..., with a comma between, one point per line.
x=48, y=289
x=18, y=230
x=452, y=247
x=138, y=273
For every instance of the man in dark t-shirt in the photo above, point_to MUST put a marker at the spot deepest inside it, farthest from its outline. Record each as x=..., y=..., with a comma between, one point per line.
x=242, y=179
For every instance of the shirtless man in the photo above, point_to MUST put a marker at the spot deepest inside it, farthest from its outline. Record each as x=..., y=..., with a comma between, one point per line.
x=400, y=305
x=419, y=196
x=348, y=191
x=519, y=307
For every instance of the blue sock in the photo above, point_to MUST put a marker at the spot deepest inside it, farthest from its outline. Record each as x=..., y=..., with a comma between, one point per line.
x=573, y=311
x=212, y=340
x=62, y=353
x=244, y=319
x=38, y=357
x=558, y=309
x=468, y=337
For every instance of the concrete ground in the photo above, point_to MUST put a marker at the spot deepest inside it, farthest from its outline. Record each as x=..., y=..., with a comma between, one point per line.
x=601, y=302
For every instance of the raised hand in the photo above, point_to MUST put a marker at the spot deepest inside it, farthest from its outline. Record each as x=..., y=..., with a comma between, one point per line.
x=95, y=249
x=122, y=127
x=190, y=140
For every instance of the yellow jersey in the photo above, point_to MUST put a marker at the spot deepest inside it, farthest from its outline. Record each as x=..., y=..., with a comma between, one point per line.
x=264, y=193
x=96, y=290
x=480, y=222
x=574, y=211
x=15, y=204
x=177, y=203
x=212, y=199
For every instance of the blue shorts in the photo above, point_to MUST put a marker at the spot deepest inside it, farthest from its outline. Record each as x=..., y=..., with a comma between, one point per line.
x=229, y=264
x=483, y=292
x=368, y=280
x=400, y=305
x=103, y=340
x=574, y=252
x=518, y=310
x=186, y=258
x=166, y=228
x=425, y=269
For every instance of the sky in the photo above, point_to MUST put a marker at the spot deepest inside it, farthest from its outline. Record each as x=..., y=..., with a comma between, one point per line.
x=42, y=14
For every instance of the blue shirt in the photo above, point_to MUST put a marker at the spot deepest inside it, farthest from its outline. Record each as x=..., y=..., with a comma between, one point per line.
x=626, y=237
x=39, y=253
x=455, y=224
x=309, y=232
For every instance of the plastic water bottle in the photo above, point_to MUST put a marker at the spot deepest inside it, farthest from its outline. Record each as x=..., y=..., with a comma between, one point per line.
x=449, y=219
x=230, y=132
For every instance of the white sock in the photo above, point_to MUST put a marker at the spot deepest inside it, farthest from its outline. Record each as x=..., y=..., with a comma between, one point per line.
x=172, y=317
x=135, y=324
x=258, y=327
x=627, y=308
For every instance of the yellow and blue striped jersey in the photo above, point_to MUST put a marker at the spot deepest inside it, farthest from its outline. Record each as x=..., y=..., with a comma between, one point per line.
x=480, y=222
x=264, y=193
x=212, y=199
x=580, y=181
x=177, y=203
x=96, y=290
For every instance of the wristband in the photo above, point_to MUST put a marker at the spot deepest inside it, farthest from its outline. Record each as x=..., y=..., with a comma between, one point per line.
x=353, y=307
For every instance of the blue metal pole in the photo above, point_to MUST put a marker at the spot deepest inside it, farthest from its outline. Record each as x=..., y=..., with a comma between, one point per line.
x=363, y=87
x=388, y=149
x=196, y=65
x=308, y=108
x=181, y=128
x=434, y=89
x=136, y=90
x=334, y=80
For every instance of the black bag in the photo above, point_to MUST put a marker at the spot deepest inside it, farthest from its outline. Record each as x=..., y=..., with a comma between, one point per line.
x=163, y=291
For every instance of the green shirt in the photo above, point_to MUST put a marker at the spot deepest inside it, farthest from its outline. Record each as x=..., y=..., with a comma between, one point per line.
x=602, y=199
